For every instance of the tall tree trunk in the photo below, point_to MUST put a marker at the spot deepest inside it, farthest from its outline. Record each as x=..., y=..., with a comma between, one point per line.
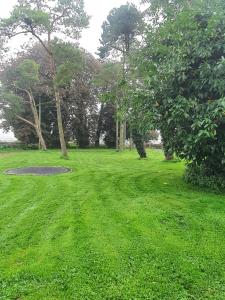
x=131, y=140
x=60, y=124
x=39, y=135
x=122, y=131
x=117, y=125
x=125, y=134
x=99, y=127
x=36, y=125
x=37, y=121
x=41, y=139
x=117, y=134
x=121, y=139
x=57, y=99
x=39, y=114
x=168, y=154
x=139, y=143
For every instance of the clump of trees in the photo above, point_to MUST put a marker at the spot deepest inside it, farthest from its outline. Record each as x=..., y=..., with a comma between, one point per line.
x=71, y=83
x=41, y=20
x=80, y=106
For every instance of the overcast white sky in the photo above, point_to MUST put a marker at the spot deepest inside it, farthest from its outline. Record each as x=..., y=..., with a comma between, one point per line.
x=97, y=9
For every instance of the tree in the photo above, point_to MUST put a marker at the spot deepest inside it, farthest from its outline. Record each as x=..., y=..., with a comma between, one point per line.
x=80, y=107
x=107, y=125
x=24, y=78
x=109, y=128
x=82, y=103
x=186, y=88
x=161, y=10
x=107, y=82
x=140, y=119
x=120, y=30
x=41, y=20
x=139, y=143
x=118, y=35
x=71, y=65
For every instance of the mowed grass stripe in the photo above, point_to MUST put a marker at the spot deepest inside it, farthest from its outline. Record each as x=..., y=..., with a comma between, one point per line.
x=114, y=228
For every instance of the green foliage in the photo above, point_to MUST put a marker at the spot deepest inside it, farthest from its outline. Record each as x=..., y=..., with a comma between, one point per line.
x=17, y=79
x=184, y=81
x=69, y=61
x=204, y=177
x=27, y=74
x=141, y=114
x=162, y=10
x=26, y=20
x=66, y=52
x=120, y=29
x=109, y=75
x=107, y=81
x=80, y=107
x=10, y=99
x=10, y=104
x=108, y=129
x=119, y=32
x=40, y=17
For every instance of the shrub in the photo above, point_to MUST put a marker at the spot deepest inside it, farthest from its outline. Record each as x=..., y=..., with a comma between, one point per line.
x=202, y=176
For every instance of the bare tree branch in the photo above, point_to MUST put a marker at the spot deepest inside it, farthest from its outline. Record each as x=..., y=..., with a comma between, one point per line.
x=53, y=101
x=58, y=17
x=23, y=90
x=116, y=48
x=26, y=121
x=18, y=33
x=39, y=39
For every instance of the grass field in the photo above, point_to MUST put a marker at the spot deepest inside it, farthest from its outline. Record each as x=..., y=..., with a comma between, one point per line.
x=114, y=228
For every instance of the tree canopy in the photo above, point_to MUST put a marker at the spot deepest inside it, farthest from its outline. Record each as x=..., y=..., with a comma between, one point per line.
x=183, y=86
x=119, y=29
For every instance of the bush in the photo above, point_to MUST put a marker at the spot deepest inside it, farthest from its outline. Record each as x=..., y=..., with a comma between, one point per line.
x=4, y=146
x=18, y=146
x=202, y=176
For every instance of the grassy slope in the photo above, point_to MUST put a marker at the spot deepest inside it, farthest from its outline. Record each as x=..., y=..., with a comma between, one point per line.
x=115, y=228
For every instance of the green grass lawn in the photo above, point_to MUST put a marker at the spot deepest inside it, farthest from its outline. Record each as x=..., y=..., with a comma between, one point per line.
x=114, y=228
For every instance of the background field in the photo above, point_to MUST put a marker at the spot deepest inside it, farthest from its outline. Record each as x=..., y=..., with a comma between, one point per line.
x=114, y=228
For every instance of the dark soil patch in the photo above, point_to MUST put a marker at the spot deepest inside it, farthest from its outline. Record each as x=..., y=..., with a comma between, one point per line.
x=40, y=171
